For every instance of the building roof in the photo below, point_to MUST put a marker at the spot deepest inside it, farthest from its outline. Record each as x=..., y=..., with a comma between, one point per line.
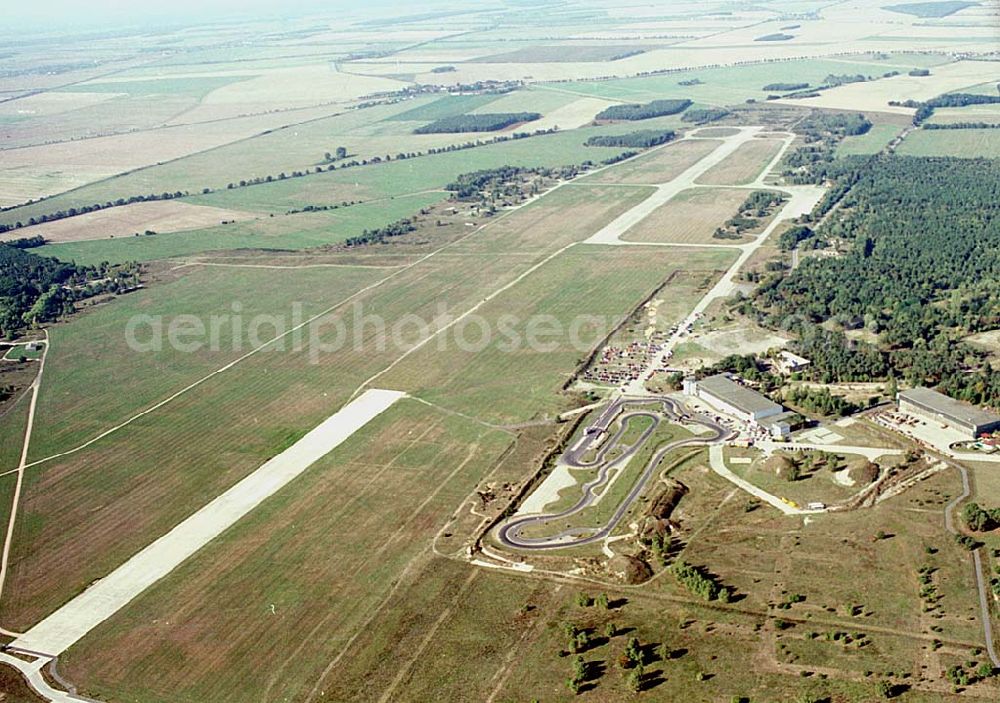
x=740, y=397
x=785, y=417
x=792, y=358
x=952, y=409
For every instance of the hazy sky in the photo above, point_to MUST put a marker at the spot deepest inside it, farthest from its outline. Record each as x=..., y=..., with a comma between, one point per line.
x=93, y=14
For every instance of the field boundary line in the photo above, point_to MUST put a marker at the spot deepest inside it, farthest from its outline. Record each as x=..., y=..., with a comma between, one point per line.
x=22, y=465
x=287, y=268
x=278, y=670
x=503, y=289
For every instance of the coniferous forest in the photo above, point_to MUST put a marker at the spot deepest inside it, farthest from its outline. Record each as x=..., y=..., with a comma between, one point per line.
x=919, y=270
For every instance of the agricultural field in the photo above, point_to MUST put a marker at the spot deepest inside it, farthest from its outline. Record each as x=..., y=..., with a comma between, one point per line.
x=292, y=232
x=660, y=166
x=577, y=283
x=162, y=216
x=744, y=166
x=964, y=143
x=690, y=218
x=871, y=142
x=232, y=230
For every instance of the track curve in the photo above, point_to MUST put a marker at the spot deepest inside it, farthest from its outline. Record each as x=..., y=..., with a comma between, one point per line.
x=509, y=532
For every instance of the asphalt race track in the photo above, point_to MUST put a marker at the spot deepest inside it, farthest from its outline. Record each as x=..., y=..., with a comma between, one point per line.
x=509, y=533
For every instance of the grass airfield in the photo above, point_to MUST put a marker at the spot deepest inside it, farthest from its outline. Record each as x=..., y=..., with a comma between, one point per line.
x=352, y=582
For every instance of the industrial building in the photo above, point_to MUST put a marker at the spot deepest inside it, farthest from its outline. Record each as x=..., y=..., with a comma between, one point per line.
x=729, y=397
x=937, y=407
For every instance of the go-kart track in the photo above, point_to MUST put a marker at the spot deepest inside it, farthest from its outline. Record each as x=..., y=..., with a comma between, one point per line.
x=509, y=533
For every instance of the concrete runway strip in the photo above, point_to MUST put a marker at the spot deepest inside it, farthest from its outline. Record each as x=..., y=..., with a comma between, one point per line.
x=104, y=598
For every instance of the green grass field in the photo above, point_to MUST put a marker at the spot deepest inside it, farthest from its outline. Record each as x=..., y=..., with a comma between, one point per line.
x=873, y=141
x=426, y=460
x=365, y=133
x=584, y=281
x=352, y=583
x=447, y=106
x=293, y=232
x=963, y=143
x=243, y=416
x=22, y=351
x=412, y=175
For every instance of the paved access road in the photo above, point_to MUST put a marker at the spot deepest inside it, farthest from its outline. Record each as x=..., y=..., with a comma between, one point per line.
x=509, y=533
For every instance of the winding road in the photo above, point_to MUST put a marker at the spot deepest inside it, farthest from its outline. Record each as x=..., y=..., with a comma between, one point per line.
x=509, y=533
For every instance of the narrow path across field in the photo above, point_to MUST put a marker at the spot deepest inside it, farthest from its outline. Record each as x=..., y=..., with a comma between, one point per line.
x=977, y=564
x=22, y=464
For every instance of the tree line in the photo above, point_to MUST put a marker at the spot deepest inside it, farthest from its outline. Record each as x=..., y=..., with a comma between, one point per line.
x=926, y=109
x=636, y=111
x=643, y=139
x=260, y=180
x=485, y=122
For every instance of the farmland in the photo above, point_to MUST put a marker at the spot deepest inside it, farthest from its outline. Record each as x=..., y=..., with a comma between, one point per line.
x=660, y=166
x=690, y=218
x=745, y=165
x=164, y=216
x=231, y=227
x=293, y=232
x=965, y=143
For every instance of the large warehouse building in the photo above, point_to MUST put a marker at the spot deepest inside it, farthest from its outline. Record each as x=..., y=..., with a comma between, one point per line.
x=729, y=397
x=938, y=407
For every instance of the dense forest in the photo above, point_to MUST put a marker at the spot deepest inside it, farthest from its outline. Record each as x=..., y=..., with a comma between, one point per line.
x=486, y=122
x=703, y=115
x=35, y=289
x=920, y=270
x=642, y=139
x=634, y=111
x=815, y=161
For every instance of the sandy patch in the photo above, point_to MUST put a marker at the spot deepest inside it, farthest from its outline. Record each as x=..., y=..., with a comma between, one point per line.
x=987, y=341
x=160, y=216
x=843, y=478
x=740, y=341
x=548, y=490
